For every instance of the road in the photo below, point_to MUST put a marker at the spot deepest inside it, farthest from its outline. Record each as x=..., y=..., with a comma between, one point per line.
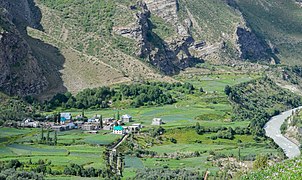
x=272, y=129
x=120, y=142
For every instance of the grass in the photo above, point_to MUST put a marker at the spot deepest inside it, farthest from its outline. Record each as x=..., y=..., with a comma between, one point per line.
x=214, y=18
x=196, y=163
x=209, y=109
x=188, y=141
x=60, y=156
x=289, y=169
x=23, y=146
x=78, y=136
x=279, y=23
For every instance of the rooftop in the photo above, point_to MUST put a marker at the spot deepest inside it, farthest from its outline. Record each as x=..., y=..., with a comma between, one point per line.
x=126, y=116
x=118, y=128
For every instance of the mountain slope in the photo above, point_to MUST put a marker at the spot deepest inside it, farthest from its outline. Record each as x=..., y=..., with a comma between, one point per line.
x=279, y=23
x=81, y=44
x=20, y=71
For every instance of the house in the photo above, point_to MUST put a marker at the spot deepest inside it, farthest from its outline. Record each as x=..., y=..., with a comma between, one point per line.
x=134, y=128
x=118, y=130
x=30, y=123
x=88, y=127
x=107, y=121
x=139, y=126
x=70, y=126
x=79, y=117
x=96, y=118
x=126, y=118
x=157, y=121
x=57, y=128
x=64, y=117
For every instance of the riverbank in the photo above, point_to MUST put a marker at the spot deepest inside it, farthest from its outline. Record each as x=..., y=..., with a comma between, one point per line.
x=272, y=129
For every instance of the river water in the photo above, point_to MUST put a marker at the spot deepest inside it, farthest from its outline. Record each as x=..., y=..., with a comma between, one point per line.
x=272, y=129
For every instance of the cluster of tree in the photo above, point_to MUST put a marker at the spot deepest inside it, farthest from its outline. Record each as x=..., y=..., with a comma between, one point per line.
x=149, y=93
x=15, y=109
x=221, y=130
x=165, y=173
x=226, y=134
x=259, y=100
x=292, y=74
x=79, y=170
x=157, y=131
x=48, y=140
x=13, y=170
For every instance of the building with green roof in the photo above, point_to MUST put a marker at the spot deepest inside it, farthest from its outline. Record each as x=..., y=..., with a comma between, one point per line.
x=118, y=130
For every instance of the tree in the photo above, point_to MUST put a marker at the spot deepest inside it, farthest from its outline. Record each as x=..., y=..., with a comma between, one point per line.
x=260, y=162
x=47, y=137
x=173, y=140
x=239, y=155
x=59, y=118
x=118, y=115
x=55, y=138
x=42, y=134
x=83, y=113
x=201, y=90
x=227, y=90
x=197, y=127
x=101, y=121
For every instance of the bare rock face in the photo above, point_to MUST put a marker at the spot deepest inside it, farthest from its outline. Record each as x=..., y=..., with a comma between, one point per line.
x=138, y=30
x=169, y=57
x=23, y=13
x=167, y=10
x=20, y=72
x=252, y=48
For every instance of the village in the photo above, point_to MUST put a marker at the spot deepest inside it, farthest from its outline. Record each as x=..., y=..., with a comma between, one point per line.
x=65, y=122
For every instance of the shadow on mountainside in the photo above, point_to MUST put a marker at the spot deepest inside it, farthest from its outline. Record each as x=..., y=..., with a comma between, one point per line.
x=49, y=58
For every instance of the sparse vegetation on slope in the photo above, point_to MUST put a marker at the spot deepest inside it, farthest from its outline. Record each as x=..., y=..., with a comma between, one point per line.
x=289, y=169
x=278, y=22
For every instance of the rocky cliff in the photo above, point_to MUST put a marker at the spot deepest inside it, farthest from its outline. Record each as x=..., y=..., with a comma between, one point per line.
x=20, y=72
x=251, y=47
x=169, y=56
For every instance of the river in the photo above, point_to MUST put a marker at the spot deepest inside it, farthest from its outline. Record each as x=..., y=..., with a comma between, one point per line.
x=272, y=129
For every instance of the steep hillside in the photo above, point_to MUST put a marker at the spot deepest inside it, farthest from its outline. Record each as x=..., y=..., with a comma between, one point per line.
x=278, y=23
x=20, y=70
x=81, y=44
x=289, y=169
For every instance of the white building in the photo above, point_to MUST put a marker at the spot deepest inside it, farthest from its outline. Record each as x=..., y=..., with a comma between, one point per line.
x=157, y=121
x=126, y=118
x=118, y=130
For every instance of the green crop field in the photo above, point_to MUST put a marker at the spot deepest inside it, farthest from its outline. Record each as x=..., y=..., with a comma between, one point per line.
x=74, y=146
x=210, y=109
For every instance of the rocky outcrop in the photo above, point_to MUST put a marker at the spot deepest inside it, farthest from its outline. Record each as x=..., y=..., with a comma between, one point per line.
x=167, y=10
x=252, y=47
x=20, y=72
x=138, y=30
x=23, y=13
x=168, y=56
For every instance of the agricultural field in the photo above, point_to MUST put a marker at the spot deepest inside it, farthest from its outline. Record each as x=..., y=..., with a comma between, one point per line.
x=209, y=108
x=73, y=146
x=180, y=146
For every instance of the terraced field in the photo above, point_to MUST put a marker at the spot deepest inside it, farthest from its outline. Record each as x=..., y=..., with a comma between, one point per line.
x=73, y=147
